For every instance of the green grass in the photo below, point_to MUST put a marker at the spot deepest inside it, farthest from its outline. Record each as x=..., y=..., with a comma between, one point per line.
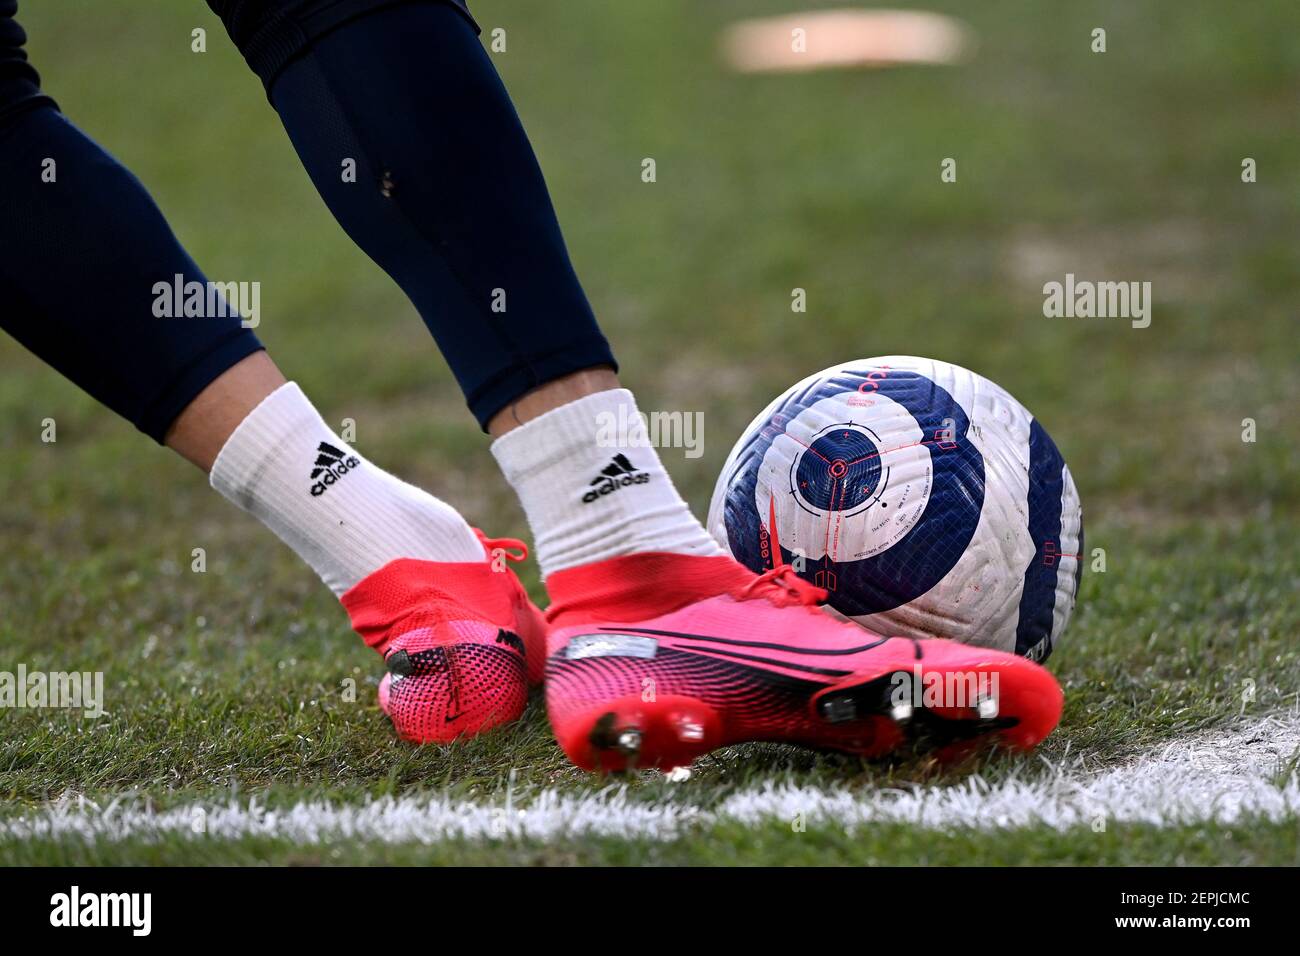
x=768, y=845
x=1123, y=165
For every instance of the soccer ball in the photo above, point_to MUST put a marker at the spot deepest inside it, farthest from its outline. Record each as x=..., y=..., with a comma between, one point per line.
x=924, y=498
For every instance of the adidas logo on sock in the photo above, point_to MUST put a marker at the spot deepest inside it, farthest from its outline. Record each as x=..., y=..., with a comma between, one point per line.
x=619, y=473
x=331, y=465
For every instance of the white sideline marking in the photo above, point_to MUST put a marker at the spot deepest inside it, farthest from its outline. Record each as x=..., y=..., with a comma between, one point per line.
x=1221, y=776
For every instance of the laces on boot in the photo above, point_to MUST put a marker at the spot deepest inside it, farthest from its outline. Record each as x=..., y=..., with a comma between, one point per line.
x=512, y=548
x=782, y=587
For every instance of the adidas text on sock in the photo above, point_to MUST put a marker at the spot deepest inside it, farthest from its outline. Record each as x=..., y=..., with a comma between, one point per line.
x=589, y=498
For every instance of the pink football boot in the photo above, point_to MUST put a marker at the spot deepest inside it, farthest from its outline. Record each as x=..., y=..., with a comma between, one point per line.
x=462, y=641
x=655, y=659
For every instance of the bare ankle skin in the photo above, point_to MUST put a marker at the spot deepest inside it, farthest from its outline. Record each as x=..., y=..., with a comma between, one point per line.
x=201, y=430
x=551, y=396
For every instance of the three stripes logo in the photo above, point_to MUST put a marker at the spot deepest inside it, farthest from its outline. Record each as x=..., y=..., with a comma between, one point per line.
x=619, y=473
x=331, y=465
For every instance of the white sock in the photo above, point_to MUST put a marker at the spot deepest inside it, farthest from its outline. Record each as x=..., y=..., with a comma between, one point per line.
x=593, y=489
x=343, y=515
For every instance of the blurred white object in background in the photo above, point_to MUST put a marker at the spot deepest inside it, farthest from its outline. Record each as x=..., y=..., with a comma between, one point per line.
x=825, y=39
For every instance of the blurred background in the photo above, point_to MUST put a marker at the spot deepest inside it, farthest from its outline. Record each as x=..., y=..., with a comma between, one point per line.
x=1123, y=165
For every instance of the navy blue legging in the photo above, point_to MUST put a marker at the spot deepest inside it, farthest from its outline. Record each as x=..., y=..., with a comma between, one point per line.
x=447, y=198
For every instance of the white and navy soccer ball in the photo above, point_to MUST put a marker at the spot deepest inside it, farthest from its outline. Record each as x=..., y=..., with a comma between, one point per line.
x=924, y=498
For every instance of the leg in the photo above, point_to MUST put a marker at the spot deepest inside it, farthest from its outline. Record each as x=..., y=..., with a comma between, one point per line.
x=85, y=247
x=188, y=384
x=448, y=198
x=662, y=647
